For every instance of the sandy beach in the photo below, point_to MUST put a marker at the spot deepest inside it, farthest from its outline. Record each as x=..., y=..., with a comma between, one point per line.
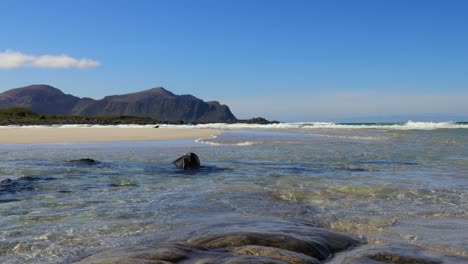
x=28, y=135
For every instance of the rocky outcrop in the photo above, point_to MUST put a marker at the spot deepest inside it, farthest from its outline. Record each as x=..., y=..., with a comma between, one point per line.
x=267, y=240
x=255, y=120
x=157, y=103
x=245, y=240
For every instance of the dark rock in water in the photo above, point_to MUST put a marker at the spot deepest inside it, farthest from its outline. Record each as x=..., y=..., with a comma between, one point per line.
x=244, y=240
x=275, y=253
x=174, y=253
x=156, y=127
x=34, y=178
x=256, y=120
x=189, y=161
x=291, y=235
x=87, y=161
x=28, y=178
x=24, y=183
x=7, y=180
x=316, y=249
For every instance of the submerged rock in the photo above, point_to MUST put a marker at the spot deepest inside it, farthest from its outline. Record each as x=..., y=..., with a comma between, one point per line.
x=397, y=254
x=251, y=240
x=275, y=253
x=174, y=253
x=33, y=178
x=189, y=161
x=24, y=183
x=316, y=248
x=86, y=161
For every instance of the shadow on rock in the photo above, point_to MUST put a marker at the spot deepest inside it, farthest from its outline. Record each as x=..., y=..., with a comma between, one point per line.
x=240, y=240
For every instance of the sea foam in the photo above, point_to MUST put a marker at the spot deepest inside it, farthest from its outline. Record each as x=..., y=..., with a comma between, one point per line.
x=410, y=125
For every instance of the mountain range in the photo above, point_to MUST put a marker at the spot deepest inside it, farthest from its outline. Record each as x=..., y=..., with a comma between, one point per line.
x=157, y=103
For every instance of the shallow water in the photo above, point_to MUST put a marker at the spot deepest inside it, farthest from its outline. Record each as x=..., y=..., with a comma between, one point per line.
x=389, y=185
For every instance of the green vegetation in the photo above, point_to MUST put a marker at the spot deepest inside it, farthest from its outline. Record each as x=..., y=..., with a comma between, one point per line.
x=18, y=116
x=17, y=113
x=24, y=116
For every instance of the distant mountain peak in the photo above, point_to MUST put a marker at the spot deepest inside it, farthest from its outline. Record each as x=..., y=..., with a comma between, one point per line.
x=39, y=86
x=158, y=90
x=36, y=88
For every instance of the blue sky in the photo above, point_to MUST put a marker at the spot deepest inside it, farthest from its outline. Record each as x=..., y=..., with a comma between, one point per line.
x=287, y=60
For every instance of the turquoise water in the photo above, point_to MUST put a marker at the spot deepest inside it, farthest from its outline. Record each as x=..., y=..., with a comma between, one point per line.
x=388, y=185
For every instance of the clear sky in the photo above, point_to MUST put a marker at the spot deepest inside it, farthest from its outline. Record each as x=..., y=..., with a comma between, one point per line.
x=288, y=60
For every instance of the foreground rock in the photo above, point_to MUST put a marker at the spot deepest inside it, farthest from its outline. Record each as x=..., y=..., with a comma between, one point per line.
x=189, y=161
x=251, y=240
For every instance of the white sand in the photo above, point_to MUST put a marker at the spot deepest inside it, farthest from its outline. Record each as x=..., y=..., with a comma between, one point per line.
x=27, y=135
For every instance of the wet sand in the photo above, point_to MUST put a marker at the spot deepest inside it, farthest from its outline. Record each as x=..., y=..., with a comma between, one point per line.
x=28, y=135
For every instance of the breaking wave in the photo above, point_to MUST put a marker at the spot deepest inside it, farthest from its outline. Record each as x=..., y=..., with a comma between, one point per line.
x=410, y=125
x=227, y=143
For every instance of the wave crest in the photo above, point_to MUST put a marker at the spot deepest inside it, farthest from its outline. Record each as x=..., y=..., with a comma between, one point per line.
x=410, y=125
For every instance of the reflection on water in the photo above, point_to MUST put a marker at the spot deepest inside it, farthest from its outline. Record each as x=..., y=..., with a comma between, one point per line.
x=387, y=185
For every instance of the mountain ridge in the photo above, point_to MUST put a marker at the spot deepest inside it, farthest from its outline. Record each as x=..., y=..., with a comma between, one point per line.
x=157, y=103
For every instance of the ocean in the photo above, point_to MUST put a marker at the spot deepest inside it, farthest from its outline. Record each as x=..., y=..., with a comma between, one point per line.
x=390, y=183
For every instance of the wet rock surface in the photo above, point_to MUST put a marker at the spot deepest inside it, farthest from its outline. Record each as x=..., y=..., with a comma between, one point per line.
x=275, y=253
x=174, y=253
x=250, y=240
x=189, y=161
x=267, y=240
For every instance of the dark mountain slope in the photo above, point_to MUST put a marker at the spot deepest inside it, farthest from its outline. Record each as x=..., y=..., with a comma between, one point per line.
x=40, y=99
x=157, y=103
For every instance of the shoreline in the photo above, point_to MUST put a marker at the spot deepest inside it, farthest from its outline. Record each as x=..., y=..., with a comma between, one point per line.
x=24, y=135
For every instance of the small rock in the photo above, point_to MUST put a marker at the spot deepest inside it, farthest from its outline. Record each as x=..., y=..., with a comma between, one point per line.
x=189, y=161
x=84, y=161
x=7, y=180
